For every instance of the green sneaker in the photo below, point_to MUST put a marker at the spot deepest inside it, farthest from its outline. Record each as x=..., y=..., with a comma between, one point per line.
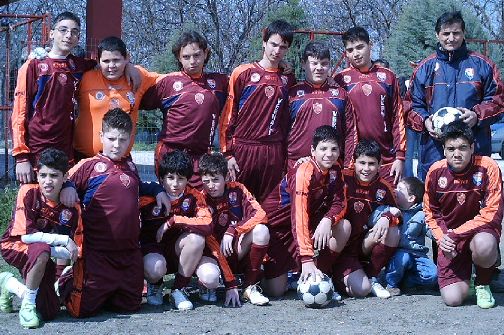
x=5, y=296
x=484, y=297
x=28, y=317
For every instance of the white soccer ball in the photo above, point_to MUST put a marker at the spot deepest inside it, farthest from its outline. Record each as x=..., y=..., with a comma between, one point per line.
x=316, y=293
x=443, y=117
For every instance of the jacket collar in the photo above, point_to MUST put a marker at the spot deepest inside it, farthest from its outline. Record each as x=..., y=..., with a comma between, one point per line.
x=451, y=56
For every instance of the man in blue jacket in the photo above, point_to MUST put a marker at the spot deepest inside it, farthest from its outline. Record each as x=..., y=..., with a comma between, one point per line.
x=453, y=77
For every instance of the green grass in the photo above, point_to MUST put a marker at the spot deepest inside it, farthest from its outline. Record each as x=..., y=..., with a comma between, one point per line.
x=7, y=203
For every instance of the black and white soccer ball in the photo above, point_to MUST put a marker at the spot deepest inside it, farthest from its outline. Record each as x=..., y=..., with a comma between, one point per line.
x=316, y=293
x=443, y=117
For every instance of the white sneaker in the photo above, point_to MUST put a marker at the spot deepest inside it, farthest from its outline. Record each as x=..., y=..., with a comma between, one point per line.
x=154, y=294
x=253, y=293
x=180, y=300
x=378, y=290
x=336, y=296
x=207, y=295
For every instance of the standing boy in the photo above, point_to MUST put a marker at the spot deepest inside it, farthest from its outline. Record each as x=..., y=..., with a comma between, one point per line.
x=45, y=101
x=109, y=271
x=255, y=121
x=191, y=101
x=464, y=207
x=41, y=228
x=378, y=241
x=314, y=103
x=305, y=213
x=238, y=224
x=374, y=92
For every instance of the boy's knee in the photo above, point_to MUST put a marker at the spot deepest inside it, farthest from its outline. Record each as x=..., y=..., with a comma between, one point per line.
x=453, y=301
x=261, y=234
x=154, y=269
x=195, y=241
x=208, y=276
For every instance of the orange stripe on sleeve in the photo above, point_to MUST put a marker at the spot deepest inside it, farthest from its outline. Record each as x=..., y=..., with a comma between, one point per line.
x=19, y=112
x=431, y=206
x=227, y=273
x=252, y=210
x=301, y=217
x=201, y=223
x=23, y=214
x=399, y=129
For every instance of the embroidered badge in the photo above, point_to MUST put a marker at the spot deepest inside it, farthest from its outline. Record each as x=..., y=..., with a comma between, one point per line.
x=125, y=179
x=65, y=216
x=199, y=98
x=255, y=77
x=285, y=81
x=177, y=86
x=232, y=198
x=300, y=93
x=461, y=197
x=211, y=83
x=442, y=182
x=269, y=91
x=43, y=67
x=477, y=178
x=334, y=92
x=223, y=219
x=317, y=108
x=347, y=79
x=382, y=76
x=469, y=72
x=62, y=78
x=99, y=95
x=131, y=97
x=186, y=204
x=380, y=194
x=358, y=206
x=156, y=211
x=100, y=167
x=367, y=89
x=114, y=103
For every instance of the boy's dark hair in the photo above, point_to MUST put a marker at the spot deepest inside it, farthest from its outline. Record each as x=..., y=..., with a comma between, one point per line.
x=112, y=43
x=117, y=119
x=367, y=148
x=382, y=62
x=317, y=50
x=280, y=27
x=355, y=34
x=189, y=37
x=449, y=18
x=178, y=162
x=54, y=159
x=213, y=164
x=415, y=187
x=66, y=16
x=325, y=133
x=457, y=129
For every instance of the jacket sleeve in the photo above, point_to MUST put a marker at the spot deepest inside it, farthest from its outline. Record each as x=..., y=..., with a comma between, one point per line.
x=351, y=137
x=200, y=223
x=432, y=208
x=416, y=99
x=253, y=214
x=492, y=105
x=339, y=201
x=229, y=279
x=398, y=126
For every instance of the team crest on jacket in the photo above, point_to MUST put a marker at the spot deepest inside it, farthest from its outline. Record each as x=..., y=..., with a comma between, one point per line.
x=300, y=93
x=469, y=72
x=347, y=79
x=232, y=198
x=211, y=83
x=199, y=98
x=100, y=167
x=99, y=95
x=285, y=81
x=380, y=194
x=477, y=178
x=131, y=97
x=436, y=67
x=223, y=219
x=62, y=78
x=65, y=216
x=125, y=179
x=332, y=176
x=43, y=67
x=114, y=103
x=255, y=77
x=367, y=89
x=269, y=91
x=382, y=76
x=442, y=182
x=72, y=64
x=334, y=92
x=461, y=197
x=156, y=210
x=177, y=86
x=358, y=206
x=186, y=204
x=317, y=108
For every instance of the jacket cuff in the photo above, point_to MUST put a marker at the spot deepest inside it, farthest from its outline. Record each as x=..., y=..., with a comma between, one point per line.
x=306, y=259
x=400, y=155
x=231, y=231
x=21, y=158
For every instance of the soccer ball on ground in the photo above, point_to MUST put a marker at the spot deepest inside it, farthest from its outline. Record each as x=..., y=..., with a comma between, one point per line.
x=316, y=293
x=443, y=117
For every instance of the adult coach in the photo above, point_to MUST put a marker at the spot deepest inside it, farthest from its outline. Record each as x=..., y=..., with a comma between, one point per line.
x=374, y=93
x=454, y=77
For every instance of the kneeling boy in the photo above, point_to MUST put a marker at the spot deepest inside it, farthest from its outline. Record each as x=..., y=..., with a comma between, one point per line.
x=464, y=208
x=41, y=228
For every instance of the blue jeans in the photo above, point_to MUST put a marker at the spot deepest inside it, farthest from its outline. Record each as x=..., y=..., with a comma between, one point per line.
x=412, y=141
x=414, y=270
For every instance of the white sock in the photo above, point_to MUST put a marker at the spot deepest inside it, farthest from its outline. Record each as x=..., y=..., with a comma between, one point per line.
x=30, y=295
x=15, y=286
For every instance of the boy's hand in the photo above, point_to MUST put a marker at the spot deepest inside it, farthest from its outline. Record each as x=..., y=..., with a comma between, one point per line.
x=133, y=76
x=322, y=234
x=395, y=212
x=227, y=245
x=468, y=116
x=24, y=172
x=286, y=67
x=430, y=128
x=161, y=231
x=73, y=249
x=446, y=244
x=233, y=168
x=232, y=298
x=69, y=196
x=309, y=269
x=162, y=199
x=380, y=230
x=397, y=170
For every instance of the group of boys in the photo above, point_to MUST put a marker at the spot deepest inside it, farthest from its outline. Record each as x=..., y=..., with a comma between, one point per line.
x=320, y=156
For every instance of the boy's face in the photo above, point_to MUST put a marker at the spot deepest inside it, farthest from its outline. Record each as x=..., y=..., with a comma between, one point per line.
x=366, y=168
x=275, y=49
x=174, y=184
x=192, y=58
x=214, y=185
x=65, y=36
x=112, y=64
x=359, y=54
x=50, y=181
x=404, y=199
x=458, y=153
x=115, y=143
x=316, y=70
x=325, y=154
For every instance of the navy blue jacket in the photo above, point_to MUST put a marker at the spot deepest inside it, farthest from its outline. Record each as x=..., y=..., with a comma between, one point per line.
x=460, y=78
